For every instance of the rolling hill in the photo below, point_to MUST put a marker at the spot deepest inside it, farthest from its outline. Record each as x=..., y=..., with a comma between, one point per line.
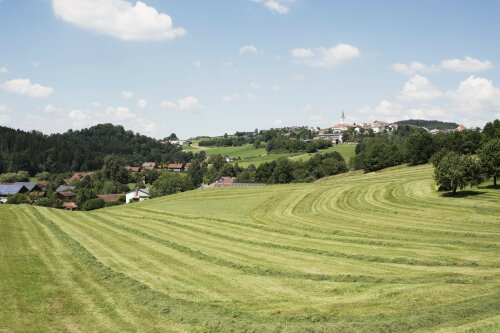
x=376, y=252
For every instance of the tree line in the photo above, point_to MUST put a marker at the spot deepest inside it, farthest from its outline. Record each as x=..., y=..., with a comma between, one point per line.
x=82, y=150
x=460, y=158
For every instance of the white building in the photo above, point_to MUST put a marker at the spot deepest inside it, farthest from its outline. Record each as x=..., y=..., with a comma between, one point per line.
x=140, y=194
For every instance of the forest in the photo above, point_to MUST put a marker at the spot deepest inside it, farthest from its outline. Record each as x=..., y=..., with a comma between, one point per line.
x=82, y=150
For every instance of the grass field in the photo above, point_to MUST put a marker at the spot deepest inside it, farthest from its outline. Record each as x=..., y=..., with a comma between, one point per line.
x=247, y=154
x=377, y=252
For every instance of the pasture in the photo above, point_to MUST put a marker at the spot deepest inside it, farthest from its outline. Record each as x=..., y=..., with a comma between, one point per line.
x=377, y=252
x=247, y=154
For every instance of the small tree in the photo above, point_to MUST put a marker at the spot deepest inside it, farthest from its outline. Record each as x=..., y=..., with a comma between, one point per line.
x=170, y=183
x=456, y=172
x=283, y=172
x=94, y=204
x=195, y=173
x=490, y=159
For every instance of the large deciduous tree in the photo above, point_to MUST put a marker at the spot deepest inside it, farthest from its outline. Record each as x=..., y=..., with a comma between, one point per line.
x=457, y=171
x=490, y=159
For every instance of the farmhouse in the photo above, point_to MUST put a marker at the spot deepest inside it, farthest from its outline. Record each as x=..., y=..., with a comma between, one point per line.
x=32, y=187
x=70, y=206
x=66, y=195
x=7, y=190
x=108, y=198
x=133, y=168
x=334, y=138
x=63, y=188
x=150, y=165
x=175, y=167
x=137, y=195
x=43, y=184
x=77, y=177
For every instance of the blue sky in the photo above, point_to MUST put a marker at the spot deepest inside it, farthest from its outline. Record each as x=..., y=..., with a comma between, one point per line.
x=208, y=67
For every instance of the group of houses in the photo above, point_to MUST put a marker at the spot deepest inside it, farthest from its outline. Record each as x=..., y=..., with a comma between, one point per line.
x=65, y=191
x=175, y=167
x=334, y=133
x=8, y=189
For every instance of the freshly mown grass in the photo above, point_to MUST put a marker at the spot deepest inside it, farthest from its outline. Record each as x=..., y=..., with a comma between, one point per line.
x=378, y=252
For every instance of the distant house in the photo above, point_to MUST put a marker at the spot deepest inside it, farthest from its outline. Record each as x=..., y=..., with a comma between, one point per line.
x=224, y=181
x=6, y=190
x=137, y=195
x=379, y=126
x=150, y=165
x=32, y=187
x=335, y=138
x=66, y=195
x=175, y=167
x=338, y=128
x=70, y=206
x=133, y=168
x=64, y=188
x=187, y=166
x=43, y=184
x=460, y=128
x=77, y=177
x=180, y=142
x=108, y=198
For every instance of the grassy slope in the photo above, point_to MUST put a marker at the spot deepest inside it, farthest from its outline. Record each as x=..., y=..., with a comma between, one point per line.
x=249, y=155
x=374, y=252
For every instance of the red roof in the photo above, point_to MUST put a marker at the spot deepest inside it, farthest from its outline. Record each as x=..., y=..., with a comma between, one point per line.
x=175, y=166
x=77, y=176
x=70, y=205
x=133, y=168
x=109, y=197
x=68, y=194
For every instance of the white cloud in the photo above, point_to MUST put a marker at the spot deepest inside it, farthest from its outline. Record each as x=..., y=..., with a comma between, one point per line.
x=121, y=112
x=468, y=65
x=413, y=67
x=127, y=94
x=49, y=108
x=476, y=97
x=142, y=104
x=4, y=115
x=418, y=88
x=231, y=98
x=278, y=122
x=96, y=104
x=275, y=87
x=474, y=102
x=197, y=64
x=183, y=104
x=276, y=6
x=248, y=49
x=325, y=57
x=118, y=18
x=27, y=88
x=78, y=115
x=3, y=70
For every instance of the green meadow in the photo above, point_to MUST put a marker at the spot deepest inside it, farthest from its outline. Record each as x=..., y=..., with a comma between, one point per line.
x=246, y=154
x=376, y=252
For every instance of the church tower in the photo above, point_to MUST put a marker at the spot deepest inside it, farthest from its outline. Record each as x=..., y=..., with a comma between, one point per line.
x=342, y=118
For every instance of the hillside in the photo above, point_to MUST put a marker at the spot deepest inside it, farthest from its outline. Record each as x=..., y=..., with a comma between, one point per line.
x=81, y=150
x=247, y=154
x=374, y=252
